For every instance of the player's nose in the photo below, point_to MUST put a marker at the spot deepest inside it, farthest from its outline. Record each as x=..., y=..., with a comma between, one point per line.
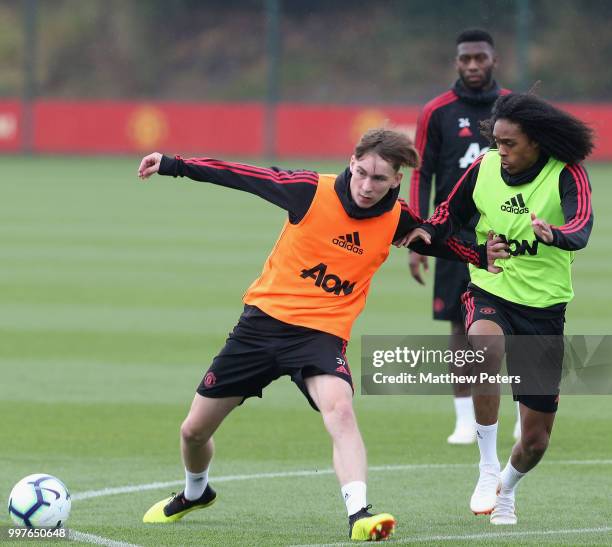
x=367, y=187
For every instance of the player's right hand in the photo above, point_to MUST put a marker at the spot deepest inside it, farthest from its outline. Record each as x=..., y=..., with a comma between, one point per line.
x=415, y=262
x=497, y=247
x=149, y=165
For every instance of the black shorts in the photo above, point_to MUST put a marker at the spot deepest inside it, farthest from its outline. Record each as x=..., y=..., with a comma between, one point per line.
x=534, y=344
x=450, y=282
x=261, y=349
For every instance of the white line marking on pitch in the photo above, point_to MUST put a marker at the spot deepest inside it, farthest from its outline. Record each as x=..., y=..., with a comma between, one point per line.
x=75, y=535
x=281, y=474
x=89, y=494
x=483, y=536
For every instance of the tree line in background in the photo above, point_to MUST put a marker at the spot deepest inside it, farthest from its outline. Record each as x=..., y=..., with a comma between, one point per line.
x=342, y=51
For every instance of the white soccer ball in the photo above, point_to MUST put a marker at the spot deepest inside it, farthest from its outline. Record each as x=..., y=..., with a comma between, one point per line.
x=39, y=500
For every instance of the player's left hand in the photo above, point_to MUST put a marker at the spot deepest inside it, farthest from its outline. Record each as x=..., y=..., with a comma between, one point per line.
x=417, y=233
x=541, y=228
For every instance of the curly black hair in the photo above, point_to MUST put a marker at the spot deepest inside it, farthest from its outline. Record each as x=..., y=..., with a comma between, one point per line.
x=558, y=133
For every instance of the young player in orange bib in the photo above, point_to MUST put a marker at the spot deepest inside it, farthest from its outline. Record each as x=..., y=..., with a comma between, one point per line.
x=298, y=314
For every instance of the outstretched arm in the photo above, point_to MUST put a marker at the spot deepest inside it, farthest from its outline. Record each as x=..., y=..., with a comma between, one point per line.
x=486, y=254
x=290, y=190
x=410, y=233
x=458, y=209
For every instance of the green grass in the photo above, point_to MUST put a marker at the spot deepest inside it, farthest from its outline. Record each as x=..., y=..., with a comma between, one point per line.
x=115, y=295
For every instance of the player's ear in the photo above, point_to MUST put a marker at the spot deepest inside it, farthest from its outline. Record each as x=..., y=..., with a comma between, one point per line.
x=493, y=53
x=398, y=179
x=352, y=163
x=534, y=145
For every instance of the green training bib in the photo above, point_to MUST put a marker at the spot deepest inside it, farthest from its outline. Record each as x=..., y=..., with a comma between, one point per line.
x=536, y=274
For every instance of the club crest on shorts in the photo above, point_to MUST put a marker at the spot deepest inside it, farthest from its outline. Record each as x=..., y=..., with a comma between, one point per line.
x=210, y=379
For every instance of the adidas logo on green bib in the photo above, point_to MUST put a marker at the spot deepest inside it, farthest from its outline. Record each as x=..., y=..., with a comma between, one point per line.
x=515, y=205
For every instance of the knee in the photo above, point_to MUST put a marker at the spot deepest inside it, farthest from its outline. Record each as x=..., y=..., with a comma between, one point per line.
x=191, y=434
x=534, y=446
x=491, y=347
x=340, y=413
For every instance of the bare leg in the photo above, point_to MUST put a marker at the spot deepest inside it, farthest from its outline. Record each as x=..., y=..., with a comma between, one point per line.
x=536, y=428
x=334, y=398
x=205, y=416
x=487, y=334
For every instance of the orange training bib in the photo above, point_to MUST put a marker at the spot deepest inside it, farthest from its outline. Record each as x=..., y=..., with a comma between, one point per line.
x=319, y=272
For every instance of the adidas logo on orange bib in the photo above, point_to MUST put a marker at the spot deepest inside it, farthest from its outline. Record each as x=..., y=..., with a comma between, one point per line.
x=515, y=205
x=350, y=242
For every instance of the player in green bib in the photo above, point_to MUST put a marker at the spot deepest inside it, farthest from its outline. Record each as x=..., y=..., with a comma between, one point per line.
x=531, y=190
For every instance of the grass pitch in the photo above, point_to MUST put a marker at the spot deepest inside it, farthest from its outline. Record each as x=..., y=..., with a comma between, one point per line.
x=115, y=296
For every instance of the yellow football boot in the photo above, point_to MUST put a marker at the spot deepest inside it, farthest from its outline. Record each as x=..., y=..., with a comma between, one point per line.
x=177, y=506
x=367, y=527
